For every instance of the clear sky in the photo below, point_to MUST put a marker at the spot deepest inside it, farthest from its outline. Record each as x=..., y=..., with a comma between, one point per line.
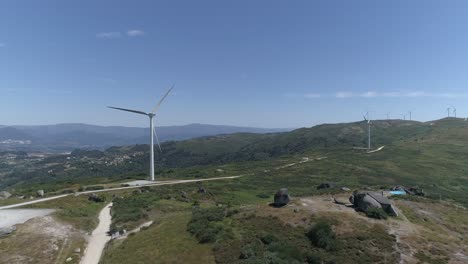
x=265, y=63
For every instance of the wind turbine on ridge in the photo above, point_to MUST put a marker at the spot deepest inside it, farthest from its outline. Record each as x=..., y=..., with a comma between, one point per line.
x=454, y=111
x=153, y=133
x=367, y=119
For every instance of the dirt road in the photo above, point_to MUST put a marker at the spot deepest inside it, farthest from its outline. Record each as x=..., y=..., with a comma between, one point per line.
x=99, y=238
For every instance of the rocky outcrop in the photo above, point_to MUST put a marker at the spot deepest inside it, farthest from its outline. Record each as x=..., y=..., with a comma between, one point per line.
x=7, y=230
x=4, y=195
x=281, y=197
x=40, y=193
x=363, y=201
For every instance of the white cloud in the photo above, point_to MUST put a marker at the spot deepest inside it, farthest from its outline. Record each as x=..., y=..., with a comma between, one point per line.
x=416, y=94
x=369, y=94
x=135, y=33
x=109, y=35
x=344, y=95
x=391, y=94
x=312, y=95
x=407, y=94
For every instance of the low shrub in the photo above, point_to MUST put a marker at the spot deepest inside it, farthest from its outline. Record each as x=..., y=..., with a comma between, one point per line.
x=377, y=213
x=205, y=224
x=323, y=236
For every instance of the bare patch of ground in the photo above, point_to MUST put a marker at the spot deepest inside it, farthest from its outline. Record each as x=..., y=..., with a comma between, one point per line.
x=40, y=240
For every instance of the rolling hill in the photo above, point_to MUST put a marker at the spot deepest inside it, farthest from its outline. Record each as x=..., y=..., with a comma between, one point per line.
x=66, y=137
x=428, y=154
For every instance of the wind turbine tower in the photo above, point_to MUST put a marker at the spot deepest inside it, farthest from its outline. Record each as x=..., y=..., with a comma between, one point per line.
x=153, y=134
x=410, y=115
x=448, y=111
x=454, y=111
x=366, y=118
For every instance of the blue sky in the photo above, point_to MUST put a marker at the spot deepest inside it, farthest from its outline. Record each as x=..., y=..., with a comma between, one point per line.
x=252, y=63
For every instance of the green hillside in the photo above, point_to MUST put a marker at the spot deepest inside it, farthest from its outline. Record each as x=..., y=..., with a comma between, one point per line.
x=427, y=154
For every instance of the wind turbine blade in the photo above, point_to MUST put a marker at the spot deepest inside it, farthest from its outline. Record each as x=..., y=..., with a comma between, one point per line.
x=365, y=119
x=162, y=99
x=129, y=110
x=157, y=139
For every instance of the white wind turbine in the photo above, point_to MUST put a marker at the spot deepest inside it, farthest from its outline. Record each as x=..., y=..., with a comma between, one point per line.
x=367, y=119
x=153, y=134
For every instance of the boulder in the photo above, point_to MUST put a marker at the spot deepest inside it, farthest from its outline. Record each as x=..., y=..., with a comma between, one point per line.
x=415, y=191
x=77, y=250
x=281, y=197
x=5, y=231
x=202, y=190
x=339, y=201
x=363, y=201
x=40, y=193
x=183, y=195
x=346, y=189
x=325, y=185
x=4, y=195
x=95, y=198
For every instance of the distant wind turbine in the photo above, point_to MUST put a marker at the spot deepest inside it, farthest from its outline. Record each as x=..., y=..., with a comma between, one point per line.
x=153, y=134
x=388, y=115
x=448, y=111
x=367, y=119
x=410, y=113
x=454, y=111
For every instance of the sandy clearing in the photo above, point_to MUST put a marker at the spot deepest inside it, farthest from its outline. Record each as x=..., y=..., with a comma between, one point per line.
x=98, y=238
x=18, y=216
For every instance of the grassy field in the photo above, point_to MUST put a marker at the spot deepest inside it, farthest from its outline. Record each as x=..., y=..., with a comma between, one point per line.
x=166, y=241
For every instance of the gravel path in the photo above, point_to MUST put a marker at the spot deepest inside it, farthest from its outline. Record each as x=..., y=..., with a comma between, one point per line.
x=99, y=238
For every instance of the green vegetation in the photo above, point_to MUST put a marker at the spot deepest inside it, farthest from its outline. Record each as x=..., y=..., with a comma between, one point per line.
x=377, y=213
x=166, y=241
x=323, y=236
x=206, y=224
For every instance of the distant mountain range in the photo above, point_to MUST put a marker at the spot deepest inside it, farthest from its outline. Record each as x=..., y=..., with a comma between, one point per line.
x=66, y=137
